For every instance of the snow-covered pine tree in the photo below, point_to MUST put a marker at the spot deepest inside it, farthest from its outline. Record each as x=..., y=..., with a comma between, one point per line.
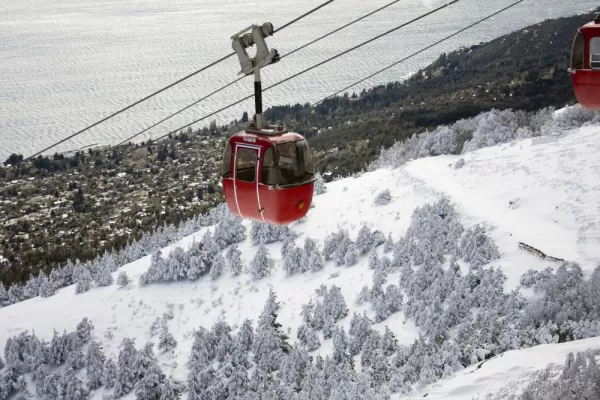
x=166, y=341
x=123, y=280
x=262, y=264
x=84, y=282
x=270, y=342
x=331, y=244
x=71, y=387
x=389, y=244
x=94, y=365
x=293, y=261
x=47, y=287
x=245, y=335
x=315, y=262
x=352, y=255
x=218, y=266
x=75, y=359
x=4, y=300
x=125, y=379
x=264, y=233
x=104, y=276
x=320, y=186
x=364, y=240
x=374, y=262
x=234, y=260
x=334, y=304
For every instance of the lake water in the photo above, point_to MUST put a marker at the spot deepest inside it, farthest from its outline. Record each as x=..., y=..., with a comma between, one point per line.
x=65, y=64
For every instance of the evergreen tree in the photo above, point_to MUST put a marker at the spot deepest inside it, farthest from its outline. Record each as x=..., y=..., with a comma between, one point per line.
x=315, y=262
x=95, y=365
x=234, y=259
x=293, y=261
x=245, y=335
x=104, y=276
x=47, y=288
x=261, y=265
x=218, y=265
x=334, y=304
x=4, y=300
x=125, y=379
x=123, y=280
x=270, y=342
x=320, y=186
x=352, y=254
x=166, y=341
x=84, y=282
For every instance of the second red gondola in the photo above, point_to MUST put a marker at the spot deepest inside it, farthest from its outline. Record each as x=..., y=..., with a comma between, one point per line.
x=585, y=65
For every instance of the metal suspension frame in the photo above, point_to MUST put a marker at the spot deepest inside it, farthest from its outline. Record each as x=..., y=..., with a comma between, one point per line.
x=255, y=35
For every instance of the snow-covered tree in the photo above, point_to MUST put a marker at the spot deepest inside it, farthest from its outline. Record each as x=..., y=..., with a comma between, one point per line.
x=123, y=280
x=315, y=262
x=264, y=233
x=270, y=342
x=125, y=379
x=364, y=240
x=4, y=300
x=383, y=198
x=218, y=266
x=334, y=304
x=352, y=254
x=104, y=276
x=166, y=341
x=389, y=244
x=94, y=365
x=47, y=287
x=294, y=261
x=245, y=335
x=84, y=282
x=320, y=186
x=71, y=387
x=234, y=260
x=262, y=264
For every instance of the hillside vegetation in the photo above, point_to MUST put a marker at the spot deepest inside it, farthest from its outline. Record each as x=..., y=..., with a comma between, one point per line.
x=525, y=70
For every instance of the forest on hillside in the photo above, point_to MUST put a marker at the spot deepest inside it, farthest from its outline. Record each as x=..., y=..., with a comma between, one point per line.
x=524, y=71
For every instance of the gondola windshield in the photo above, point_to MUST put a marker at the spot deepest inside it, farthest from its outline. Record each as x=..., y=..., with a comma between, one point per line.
x=578, y=51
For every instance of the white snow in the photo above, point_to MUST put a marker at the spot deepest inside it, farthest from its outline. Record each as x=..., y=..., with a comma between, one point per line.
x=503, y=375
x=556, y=187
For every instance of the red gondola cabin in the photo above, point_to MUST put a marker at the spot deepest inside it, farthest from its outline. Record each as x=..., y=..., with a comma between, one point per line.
x=585, y=65
x=268, y=177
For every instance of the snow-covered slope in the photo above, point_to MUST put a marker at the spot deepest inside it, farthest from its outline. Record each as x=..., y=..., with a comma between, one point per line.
x=543, y=195
x=504, y=375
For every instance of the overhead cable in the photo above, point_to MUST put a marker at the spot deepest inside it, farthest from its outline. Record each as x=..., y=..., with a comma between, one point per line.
x=418, y=52
x=308, y=69
x=170, y=85
x=238, y=79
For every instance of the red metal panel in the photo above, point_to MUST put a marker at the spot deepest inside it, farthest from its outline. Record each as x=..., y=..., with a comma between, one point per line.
x=282, y=206
x=230, y=196
x=586, y=84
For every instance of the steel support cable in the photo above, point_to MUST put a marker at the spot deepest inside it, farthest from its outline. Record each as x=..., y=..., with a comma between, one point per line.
x=172, y=84
x=307, y=69
x=419, y=52
x=237, y=80
x=180, y=111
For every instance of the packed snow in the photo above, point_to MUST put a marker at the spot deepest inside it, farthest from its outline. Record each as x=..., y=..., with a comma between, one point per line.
x=460, y=226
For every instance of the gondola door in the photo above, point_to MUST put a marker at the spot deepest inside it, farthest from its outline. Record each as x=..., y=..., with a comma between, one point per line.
x=246, y=166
